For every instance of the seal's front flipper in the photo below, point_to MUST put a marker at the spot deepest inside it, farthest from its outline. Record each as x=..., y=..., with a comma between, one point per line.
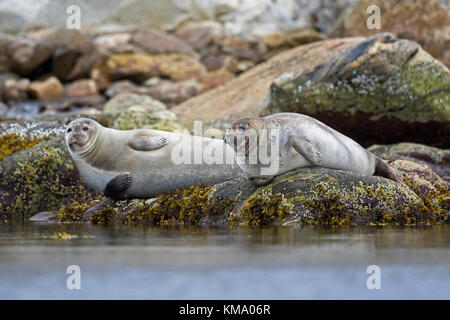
x=382, y=169
x=142, y=142
x=116, y=188
x=306, y=149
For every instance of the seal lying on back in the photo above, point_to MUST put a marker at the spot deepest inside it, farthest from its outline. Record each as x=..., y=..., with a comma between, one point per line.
x=140, y=163
x=300, y=141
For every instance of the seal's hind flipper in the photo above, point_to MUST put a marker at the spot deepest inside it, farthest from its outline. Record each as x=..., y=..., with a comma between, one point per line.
x=306, y=149
x=382, y=169
x=142, y=142
x=116, y=188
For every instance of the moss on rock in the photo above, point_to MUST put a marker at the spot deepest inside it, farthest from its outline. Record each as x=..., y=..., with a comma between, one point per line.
x=381, y=82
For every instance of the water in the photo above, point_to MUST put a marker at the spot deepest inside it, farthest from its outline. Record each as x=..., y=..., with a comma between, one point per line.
x=120, y=262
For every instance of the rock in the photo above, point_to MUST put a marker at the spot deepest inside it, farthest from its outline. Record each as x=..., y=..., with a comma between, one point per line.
x=216, y=78
x=424, y=21
x=85, y=64
x=22, y=55
x=81, y=88
x=68, y=46
x=244, y=96
x=123, y=86
x=133, y=66
x=12, y=88
x=214, y=133
x=249, y=48
x=71, y=103
x=124, y=101
x=292, y=38
x=47, y=90
x=109, y=42
x=316, y=196
x=200, y=34
x=382, y=90
x=155, y=41
x=217, y=62
x=179, y=67
x=172, y=92
x=437, y=159
x=421, y=179
x=138, y=67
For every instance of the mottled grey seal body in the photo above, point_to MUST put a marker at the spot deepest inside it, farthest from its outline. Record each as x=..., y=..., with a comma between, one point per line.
x=304, y=142
x=140, y=163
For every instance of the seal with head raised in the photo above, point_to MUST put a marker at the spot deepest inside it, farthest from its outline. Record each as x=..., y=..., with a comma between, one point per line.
x=296, y=141
x=143, y=163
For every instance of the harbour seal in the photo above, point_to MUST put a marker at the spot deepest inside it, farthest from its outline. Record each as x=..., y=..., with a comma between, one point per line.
x=143, y=163
x=300, y=141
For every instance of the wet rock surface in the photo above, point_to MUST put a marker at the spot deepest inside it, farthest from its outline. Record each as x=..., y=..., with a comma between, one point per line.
x=316, y=196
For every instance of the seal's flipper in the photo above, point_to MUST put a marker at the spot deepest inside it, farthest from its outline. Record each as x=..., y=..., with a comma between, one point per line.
x=147, y=143
x=306, y=149
x=382, y=169
x=116, y=188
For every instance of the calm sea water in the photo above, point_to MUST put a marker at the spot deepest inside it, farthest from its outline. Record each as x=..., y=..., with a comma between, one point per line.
x=120, y=262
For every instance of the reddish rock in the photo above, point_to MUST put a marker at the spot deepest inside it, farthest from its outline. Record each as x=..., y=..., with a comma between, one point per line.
x=200, y=34
x=157, y=41
x=172, y=93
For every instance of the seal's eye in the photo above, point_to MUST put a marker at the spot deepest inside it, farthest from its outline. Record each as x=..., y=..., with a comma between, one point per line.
x=69, y=130
x=241, y=128
x=85, y=129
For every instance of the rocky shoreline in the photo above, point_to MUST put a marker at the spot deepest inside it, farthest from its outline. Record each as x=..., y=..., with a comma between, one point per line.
x=388, y=91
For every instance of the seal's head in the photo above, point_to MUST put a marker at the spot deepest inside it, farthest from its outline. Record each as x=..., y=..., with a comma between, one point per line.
x=243, y=132
x=81, y=135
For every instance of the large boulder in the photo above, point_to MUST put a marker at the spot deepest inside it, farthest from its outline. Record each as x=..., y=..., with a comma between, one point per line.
x=424, y=21
x=437, y=159
x=381, y=90
x=245, y=95
x=316, y=196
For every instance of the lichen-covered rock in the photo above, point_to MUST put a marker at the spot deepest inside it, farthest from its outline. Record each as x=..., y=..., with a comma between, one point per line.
x=424, y=21
x=383, y=90
x=437, y=159
x=317, y=196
